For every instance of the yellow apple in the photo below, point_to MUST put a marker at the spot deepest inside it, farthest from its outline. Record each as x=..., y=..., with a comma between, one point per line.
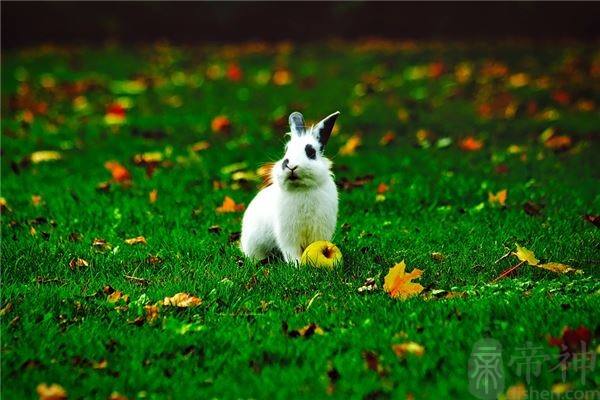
x=322, y=254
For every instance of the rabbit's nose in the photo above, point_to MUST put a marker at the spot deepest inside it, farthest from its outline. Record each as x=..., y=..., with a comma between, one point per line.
x=286, y=164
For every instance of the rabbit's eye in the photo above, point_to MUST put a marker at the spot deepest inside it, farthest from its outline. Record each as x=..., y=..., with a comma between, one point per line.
x=310, y=152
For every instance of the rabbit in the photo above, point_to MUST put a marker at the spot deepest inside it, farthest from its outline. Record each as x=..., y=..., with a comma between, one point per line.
x=300, y=206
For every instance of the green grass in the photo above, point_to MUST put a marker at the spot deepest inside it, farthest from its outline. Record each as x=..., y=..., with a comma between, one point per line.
x=61, y=322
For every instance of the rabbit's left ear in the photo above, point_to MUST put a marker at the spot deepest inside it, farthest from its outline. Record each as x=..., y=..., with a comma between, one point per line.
x=322, y=130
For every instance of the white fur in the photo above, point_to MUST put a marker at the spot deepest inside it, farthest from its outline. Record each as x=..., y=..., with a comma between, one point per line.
x=291, y=214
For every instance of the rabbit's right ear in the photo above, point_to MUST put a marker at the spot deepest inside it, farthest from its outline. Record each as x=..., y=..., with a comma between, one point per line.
x=297, y=123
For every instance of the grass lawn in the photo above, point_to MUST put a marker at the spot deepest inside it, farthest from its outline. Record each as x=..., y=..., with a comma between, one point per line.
x=458, y=121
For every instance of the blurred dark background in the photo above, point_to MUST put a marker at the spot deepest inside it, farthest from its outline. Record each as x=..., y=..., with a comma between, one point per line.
x=26, y=23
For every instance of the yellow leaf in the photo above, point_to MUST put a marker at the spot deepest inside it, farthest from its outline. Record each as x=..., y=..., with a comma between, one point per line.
x=52, y=392
x=44, y=155
x=116, y=296
x=153, y=196
x=526, y=255
x=151, y=312
x=229, y=206
x=182, y=300
x=350, y=147
x=559, y=268
x=398, y=283
x=498, y=198
x=136, y=240
x=402, y=349
x=199, y=146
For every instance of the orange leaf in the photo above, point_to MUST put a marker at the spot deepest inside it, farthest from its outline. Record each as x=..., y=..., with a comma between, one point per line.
x=498, y=198
x=229, y=206
x=220, y=124
x=119, y=173
x=562, y=142
x=402, y=349
x=388, y=138
x=382, y=188
x=398, y=283
x=470, y=144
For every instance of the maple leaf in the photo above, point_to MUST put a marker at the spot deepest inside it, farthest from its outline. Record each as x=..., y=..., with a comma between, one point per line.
x=51, y=392
x=230, y=206
x=402, y=349
x=498, y=198
x=526, y=255
x=398, y=283
x=559, y=268
x=470, y=144
x=136, y=240
x=44, y=156
x=119, y=173
x=182, y=300
x=351, y=145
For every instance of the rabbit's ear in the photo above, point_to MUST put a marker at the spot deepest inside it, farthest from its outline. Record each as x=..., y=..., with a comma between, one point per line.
x=323, y=129
x=297, y=123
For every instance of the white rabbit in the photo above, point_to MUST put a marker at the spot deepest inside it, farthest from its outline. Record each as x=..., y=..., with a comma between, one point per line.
x=301, y=204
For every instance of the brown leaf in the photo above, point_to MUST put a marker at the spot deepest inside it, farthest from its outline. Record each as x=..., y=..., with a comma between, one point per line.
x=388, y=138
x=117, y=396
x=182, y=300
x=220, y=124
x=101, y=244
x=51, y=392
x=560, y=268
x=199, y=146
x=117, y=295
x=532, y=208
x=136, y=240
x=77, y=263
x=559, y=143
x=100, y=364
x=151, y=313
x=305, y=331
x=593, y=219
x=347, y=184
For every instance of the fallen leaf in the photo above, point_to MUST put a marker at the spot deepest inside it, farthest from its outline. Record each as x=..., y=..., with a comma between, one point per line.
x=234, y=72
x=182, y=300
x=372, y=362
x=398, y=283
x=526, y=255
x=36, y=200
x=571, y=341
x=561, y=388
x=388, y=138
x=498, y=198
x=437, y=256
x=6, y=309
x=516, y=392
x=593, y=219
x=305, y=331
x=136, y=240
x=115, y=114
x=153, y=157
x=44, y=156
x=282, y=76
x=382, y=188
x=220, y=124
x=151, y=311
x=369, y=286
x=3, y=205
x=100, y=364
x=559, y=143
x=119, y=173
x=532, y=208
x=153, y=196
x=351, y=145
x=117, y=295
x=348, y=184
x=77, y=263
x=199, y=146
x=470, y=144
x=559, y=268
x=402, y=349
x=117, y=396
x=230, y=206
x=52, y=392
x=101, y=244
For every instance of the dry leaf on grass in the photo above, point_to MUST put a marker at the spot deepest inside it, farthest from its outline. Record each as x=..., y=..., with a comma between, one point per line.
x=77, y=263
x=516, y=392
x=51, y=392
x=229, y=206
x=402, y=349
x=470, y=144
x=136, y=240
x=398, y=283
x=305, y=331
x=220, y=124
x=119, y=173
x=182, y=300
x=153, y=196
x=559, y=268
x=151, y=312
